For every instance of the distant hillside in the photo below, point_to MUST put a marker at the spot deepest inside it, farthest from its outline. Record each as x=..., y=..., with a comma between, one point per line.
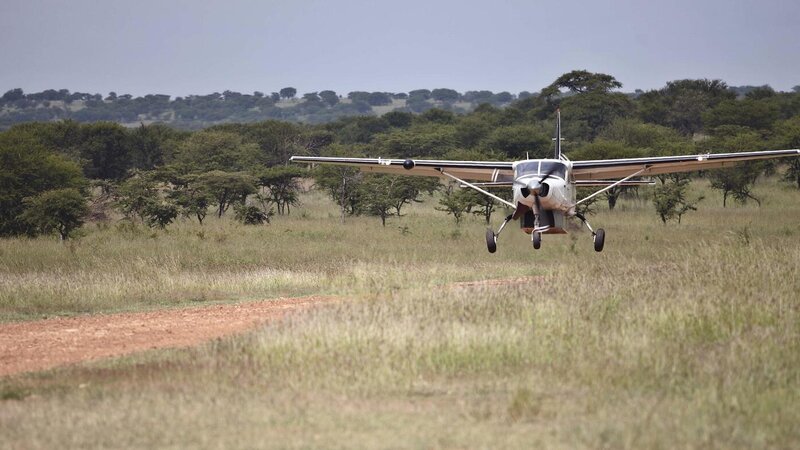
x=199, y=111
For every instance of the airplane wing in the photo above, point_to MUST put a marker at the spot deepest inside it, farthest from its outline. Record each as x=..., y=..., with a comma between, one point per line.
x=492, y=171
x=620, y=168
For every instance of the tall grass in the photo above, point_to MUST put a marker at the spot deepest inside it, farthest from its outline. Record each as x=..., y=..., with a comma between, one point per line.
x=674, y=336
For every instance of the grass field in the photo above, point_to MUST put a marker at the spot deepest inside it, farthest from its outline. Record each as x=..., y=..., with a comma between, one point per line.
x=676, y=336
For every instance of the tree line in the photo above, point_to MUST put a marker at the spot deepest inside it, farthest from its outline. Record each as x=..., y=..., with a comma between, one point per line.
x=57, y=174
x=199, y=111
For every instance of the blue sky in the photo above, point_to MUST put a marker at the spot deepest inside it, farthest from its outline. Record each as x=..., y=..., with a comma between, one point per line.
x=182, y=47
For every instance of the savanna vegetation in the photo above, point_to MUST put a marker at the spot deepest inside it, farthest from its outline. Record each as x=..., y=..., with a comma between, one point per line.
x=684, y=332
x=680, y=336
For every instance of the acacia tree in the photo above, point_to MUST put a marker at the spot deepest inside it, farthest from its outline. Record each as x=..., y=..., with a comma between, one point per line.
x=135, y=195
x=59, y=210
x=582, y=81
x=288, y=92
x=737, y=182
x=457, y=202
x=193, y=201
x=283, y=186
x=227, y=188
x=377, y=196
x=26, y=170
x=670, y=197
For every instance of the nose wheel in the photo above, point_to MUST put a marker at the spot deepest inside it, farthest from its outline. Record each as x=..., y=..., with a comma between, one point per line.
x=536, y=239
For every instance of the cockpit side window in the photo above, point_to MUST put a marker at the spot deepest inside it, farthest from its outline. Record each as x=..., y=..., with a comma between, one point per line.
x=527, y=168
x=558, y=169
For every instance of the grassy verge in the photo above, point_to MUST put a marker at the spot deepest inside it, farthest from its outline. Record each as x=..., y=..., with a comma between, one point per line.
x=683, y=336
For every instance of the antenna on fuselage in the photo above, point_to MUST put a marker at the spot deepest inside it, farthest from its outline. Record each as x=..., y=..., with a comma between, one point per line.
x=558, y=134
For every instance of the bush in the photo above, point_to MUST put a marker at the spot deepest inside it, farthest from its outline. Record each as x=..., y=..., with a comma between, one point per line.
x=252, y=215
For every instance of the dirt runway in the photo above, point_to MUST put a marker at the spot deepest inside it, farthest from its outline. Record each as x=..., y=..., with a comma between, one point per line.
x=44, y=344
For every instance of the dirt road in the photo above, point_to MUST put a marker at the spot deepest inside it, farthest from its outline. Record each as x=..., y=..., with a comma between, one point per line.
x=44, y=344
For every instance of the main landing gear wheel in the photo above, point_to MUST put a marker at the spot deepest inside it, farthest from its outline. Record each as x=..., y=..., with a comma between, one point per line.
x=537, y=240
x=491, y=240
x=599, y=239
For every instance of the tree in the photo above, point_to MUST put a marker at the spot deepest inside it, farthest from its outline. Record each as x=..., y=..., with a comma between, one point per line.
x=379, y=99
x=193, y=201
x=582, y=81
x=385, y=195
x=737, y=181
x=438, y=115
x=311, y=97
x=755, y=114
x=106, y=147
x=457, y=202
x=151, y=144
x=424, y=94
x=213, y=149
x=227, y=188
x=283, y=186
x=358, y=96
x=670, y=198
x=603, y=149
x=288, y=92
x=444, y=95
x=376, y=195
x=681, y=103
x=26, y=170
x=136, y=195
x=398, y=119
x=160, y=214
x=342, y=185
x=586, y=115
x=329, y=97
x=518, y=142
x=501, y=98
x=60, y=210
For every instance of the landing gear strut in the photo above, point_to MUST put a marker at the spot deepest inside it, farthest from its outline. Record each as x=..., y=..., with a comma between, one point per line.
x=598, y=236
x=491, y=236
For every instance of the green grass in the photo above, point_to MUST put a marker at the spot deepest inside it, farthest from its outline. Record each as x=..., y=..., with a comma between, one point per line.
x=674, y=336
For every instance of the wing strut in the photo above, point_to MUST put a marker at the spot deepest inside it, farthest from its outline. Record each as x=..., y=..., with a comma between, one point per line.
x=470, y=185
x=611, y=186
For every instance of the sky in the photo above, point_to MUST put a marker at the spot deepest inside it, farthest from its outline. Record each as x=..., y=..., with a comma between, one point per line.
x=182, y=47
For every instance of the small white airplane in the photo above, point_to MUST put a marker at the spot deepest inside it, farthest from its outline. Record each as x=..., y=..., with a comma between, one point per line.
x=544, y=190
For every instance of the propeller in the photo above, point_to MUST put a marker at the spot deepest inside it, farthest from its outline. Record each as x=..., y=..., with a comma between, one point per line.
x=542, y=190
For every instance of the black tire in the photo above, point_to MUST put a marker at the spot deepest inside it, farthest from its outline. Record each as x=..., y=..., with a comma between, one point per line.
x=537, y=240
x=599, y=239
x=491, y=240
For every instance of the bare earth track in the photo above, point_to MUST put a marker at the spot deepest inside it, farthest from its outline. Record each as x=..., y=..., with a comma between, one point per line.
x=44, y=344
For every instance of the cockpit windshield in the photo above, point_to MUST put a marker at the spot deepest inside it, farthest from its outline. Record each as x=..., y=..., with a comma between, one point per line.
x=555, y=168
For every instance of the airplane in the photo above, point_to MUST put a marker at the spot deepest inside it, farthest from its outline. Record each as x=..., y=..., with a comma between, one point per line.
x=544, y=190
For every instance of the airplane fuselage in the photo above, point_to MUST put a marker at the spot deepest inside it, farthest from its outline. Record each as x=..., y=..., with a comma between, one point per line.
x=550, y=180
